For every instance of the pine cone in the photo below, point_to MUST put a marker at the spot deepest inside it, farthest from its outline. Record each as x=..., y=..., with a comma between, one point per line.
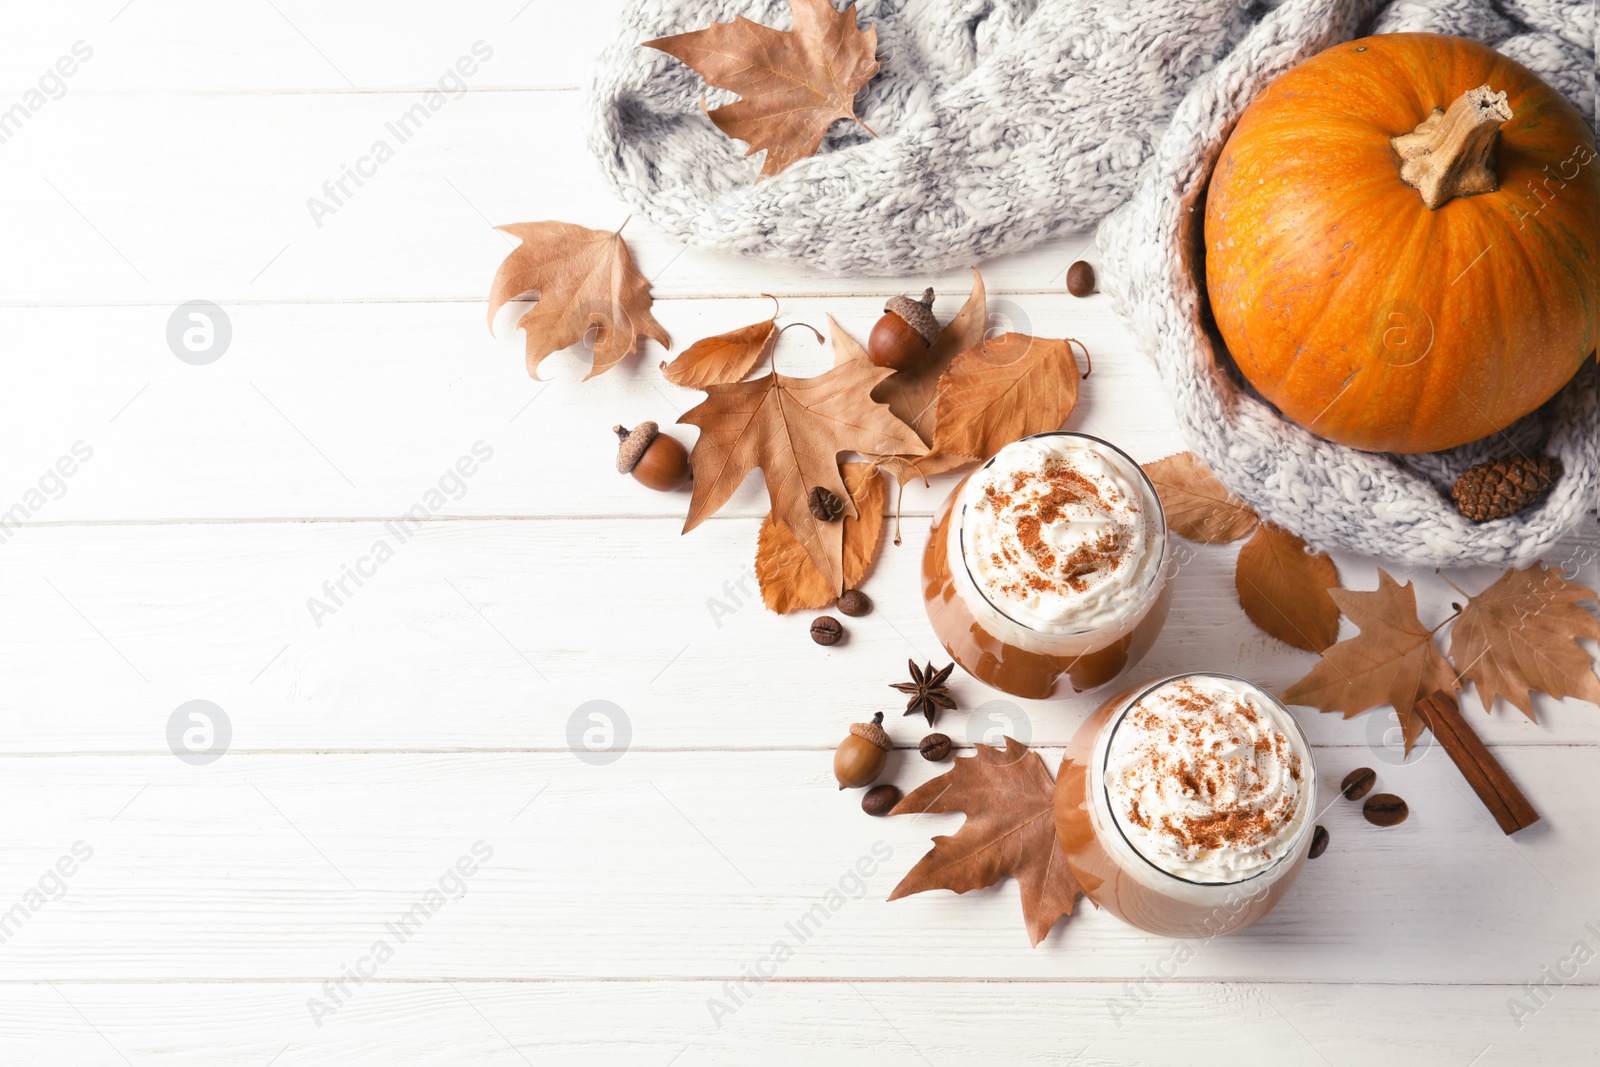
x=1496, y=488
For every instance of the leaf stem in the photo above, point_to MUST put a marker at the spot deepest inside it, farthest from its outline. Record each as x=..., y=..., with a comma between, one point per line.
x=1451, y=584
x=808, y=326
x=899, y=499
x=618, y=231
x=1451, y=618
x=781, y=330
x=1088, y=360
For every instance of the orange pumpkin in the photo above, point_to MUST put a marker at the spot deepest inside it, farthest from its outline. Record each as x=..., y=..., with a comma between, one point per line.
x=1398, y=259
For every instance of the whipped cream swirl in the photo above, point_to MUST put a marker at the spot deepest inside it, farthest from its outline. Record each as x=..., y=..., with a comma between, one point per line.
x=1206, y=781
x=1060, y=534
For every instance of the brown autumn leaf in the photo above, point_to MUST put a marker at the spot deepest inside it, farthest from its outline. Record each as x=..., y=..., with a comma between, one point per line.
x=794, y=430
x=1008, y=797
x=727, y=357
x=1518, y=635
x=912, y=393
x=1392, y=661
x=793, y=84
x=585, y=278
x=789, y=580
x=1283, y=587
x=1001, y=391
x=1198, y=506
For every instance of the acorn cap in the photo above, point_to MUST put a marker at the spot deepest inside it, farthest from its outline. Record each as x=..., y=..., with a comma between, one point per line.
x=632, y=443
x=871, y=731
x=917, y=313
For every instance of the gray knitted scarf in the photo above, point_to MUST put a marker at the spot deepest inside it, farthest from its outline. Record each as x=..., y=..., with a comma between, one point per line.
x=1006, y=122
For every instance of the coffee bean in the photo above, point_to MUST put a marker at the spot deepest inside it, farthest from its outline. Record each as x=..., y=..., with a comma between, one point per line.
x=825, y=504
x=1080, y=279
x=854, y=603
x=826, y=630
x=1358, y=783
x=935, y=747
x=1319, y=841
x=880, y=799
x=1385, y=809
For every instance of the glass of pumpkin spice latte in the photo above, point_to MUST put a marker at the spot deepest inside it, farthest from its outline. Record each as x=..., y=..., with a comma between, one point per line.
x=1185, y=807
x=1048, y=562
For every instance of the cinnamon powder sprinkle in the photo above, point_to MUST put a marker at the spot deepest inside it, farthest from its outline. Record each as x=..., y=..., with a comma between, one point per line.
x=1137, y=816
x=1246, y=810
x=1043, y=497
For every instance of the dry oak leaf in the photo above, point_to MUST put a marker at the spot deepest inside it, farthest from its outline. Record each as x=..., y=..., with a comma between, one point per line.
x=1283, y=587
x=793, y=84
x=1003, y=390
x=725, y=358
x=1198, y=506
x=1392, y=661
x=1518, y=635
x=584, y=278
x=789, y=580
x=1008, y=797
x=794, y=430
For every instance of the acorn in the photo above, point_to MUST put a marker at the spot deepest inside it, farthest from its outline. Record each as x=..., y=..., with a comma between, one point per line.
x=905, y=333
x=653, y=458
x=859, y=759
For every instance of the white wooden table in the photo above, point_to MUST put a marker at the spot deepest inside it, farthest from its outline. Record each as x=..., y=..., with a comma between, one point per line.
x=212, y=909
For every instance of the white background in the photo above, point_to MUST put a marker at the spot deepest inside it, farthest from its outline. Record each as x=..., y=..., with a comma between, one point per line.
x=370, y=752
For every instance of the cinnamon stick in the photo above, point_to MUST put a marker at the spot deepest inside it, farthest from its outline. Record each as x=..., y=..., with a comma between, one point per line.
x=1477, y=764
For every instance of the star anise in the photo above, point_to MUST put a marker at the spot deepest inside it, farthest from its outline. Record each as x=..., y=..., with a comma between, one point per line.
x=927, y=690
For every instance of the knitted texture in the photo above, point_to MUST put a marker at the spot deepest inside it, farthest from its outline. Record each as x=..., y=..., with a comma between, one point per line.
x=1005, y=122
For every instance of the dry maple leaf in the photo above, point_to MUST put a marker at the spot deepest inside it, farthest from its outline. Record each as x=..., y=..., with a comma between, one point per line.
x=1283, y=588
x=1003, y=390
x=789, y=580
x=1197, y=505
x=892, y=391
x=1392, y=661
x=585, y=278
x=912, y=394
x=1008, y=797
x=794, y=430
x=727, y=357
x=1518, y=635
x=793, y=84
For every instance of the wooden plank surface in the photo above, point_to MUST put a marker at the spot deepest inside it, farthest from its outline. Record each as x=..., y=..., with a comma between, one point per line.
x=191, y=47
x=356, y=410
x=438, y=706
x=696, y=864
x=237, y=225
x=472, y=624
x=859, y=1023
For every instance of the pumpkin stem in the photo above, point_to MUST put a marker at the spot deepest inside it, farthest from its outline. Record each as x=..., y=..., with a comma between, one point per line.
x=1452, y=152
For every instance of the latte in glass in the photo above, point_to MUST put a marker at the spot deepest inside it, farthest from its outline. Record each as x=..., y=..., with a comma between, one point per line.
x=1186, y=807
x=1048, y=562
